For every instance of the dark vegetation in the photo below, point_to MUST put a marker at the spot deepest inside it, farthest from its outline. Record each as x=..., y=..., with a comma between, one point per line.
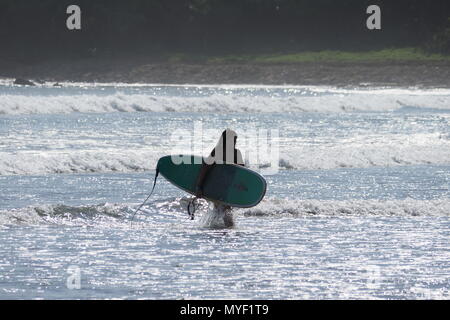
x=36, y=30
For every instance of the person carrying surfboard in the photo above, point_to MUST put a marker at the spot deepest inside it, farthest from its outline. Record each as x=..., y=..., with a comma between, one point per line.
x=222, y=176
x=225, y=152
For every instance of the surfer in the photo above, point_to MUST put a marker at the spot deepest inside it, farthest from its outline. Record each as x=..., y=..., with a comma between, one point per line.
x=225, y=152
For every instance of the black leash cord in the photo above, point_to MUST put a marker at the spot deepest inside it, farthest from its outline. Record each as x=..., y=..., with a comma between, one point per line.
x=143, y=203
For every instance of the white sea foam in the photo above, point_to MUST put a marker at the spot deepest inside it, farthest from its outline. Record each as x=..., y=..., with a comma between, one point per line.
x=73, y=161
x=406, y=207
x=360, y=152
x=64, y=215
x=363, y=151
x=119, y=214
x=121, y=147
x=313, y=99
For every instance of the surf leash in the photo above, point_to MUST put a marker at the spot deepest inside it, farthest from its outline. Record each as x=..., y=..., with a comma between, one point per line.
x=192, y=202
x=153, y=189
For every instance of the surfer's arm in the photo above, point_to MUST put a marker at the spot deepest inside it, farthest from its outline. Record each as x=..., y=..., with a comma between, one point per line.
x=206, y=166
x=201, y=178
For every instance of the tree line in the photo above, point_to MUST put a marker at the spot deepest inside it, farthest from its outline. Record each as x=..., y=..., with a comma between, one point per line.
x=36, y=29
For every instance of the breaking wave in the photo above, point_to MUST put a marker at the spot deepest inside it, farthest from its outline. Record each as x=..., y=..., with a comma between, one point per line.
x=310, y=99
x=64, y=215
x=416, y=149
x=119, y=215
x=365, y=152
x=74, y=161
x=407, y=207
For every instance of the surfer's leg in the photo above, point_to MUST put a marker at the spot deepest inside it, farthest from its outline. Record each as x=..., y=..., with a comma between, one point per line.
x=218, y=216
x=227, y=216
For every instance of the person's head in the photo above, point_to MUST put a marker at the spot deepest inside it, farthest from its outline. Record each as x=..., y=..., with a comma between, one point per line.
x=226, y=147
x=229, y=136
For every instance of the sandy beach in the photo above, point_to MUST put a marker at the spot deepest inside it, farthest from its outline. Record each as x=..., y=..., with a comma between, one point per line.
x=140, y=70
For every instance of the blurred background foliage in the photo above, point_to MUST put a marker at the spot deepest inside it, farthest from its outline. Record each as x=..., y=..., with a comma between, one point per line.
x=36, y=29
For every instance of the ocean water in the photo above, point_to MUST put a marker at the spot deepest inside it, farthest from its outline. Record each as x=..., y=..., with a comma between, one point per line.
x=358, y=206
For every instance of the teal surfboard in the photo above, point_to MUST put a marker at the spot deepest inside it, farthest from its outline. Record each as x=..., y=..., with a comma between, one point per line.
x=228, y=184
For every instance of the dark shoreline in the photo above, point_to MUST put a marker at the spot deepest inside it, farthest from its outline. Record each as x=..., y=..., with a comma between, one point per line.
x=388, y=73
